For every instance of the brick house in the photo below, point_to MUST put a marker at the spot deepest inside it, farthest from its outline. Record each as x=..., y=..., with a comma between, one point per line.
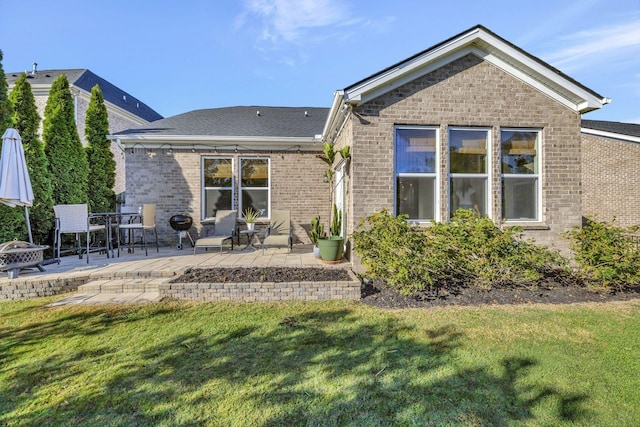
x=228, y=158
x=610, y=178
x=124, y=110
x=471, y=122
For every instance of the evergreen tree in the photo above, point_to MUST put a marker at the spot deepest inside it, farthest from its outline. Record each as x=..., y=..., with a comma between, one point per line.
x=5, y=107
x=102, y=166
x=26, y=120
x=13, y=224
x=67, y=157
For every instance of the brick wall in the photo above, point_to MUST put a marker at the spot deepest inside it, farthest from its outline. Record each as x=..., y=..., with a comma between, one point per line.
x=469, y=92
x=610, y=180
x=172, y=180
x=264, y=292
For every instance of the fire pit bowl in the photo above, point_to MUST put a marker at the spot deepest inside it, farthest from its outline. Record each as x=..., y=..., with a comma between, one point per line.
x=17, y=255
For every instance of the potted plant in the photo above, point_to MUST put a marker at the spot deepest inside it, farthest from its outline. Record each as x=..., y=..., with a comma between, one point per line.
x=332, y=247
x=250, y=216
x=316, y=232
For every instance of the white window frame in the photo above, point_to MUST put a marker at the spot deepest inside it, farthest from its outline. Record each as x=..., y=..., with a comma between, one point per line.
x=537, y=175
x=204, y=189
x=436, y=174
x=487, y=175
x=240, y=187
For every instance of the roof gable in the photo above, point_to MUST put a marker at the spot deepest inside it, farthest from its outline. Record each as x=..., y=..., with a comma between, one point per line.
x=85, y=79
x=490, y=47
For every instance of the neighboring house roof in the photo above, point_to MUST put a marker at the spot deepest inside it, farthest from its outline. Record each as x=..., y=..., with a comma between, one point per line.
x=231, y=126
x=478, y=41
x=84, y=79
x=616, y=130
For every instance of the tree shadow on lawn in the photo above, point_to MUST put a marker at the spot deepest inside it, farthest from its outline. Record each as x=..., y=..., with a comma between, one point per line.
x=305, y=370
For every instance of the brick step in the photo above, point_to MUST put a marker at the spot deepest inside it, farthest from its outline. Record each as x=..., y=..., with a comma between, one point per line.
x=115, y=286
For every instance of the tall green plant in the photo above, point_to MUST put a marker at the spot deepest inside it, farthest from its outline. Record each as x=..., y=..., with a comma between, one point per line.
x=606, y=253
x=470, y=250
x=102, y=166
x=67, y=157
x=5, y=106
x=12, y=220
x=336, y=222
x=26, y=120
x=317, y=231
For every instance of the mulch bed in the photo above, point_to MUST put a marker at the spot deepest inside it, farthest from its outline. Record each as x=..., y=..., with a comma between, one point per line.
x=377, y=293
x=262, y=274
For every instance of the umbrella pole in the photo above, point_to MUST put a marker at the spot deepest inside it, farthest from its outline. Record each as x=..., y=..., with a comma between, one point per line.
x=26, y=215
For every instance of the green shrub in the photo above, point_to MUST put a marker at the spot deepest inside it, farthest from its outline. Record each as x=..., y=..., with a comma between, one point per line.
x=469, y=250
x=605, y=253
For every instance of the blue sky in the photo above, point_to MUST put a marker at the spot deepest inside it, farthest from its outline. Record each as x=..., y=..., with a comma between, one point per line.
x=178, y=56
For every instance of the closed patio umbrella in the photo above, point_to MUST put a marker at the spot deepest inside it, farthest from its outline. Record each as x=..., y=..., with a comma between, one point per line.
x=15, y=184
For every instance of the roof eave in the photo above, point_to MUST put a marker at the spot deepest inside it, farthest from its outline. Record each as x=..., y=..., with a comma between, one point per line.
x=530, y=70
x=221, y=142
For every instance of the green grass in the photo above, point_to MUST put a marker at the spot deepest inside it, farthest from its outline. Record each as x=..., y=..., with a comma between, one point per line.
x=337, y=363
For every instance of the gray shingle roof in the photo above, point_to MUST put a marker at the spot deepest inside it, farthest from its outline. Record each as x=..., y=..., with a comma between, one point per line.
x=284, y=122
x=630, y=129
x=85, y=79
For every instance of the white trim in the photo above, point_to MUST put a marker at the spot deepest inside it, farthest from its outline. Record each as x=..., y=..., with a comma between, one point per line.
x=533, y=72
x=435, y=175
x=203, y=217
x=268, y=188
x=537, y=175
x=219, y=142
x=488, y=175
x=611, y=135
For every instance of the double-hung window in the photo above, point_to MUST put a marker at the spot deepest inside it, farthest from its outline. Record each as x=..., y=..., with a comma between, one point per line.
x=217, y=186
x=255, y=185
x=416, y=165
x=468, y=169
x=520, y=150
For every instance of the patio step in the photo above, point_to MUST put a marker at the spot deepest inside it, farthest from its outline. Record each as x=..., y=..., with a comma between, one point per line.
x=116, y=286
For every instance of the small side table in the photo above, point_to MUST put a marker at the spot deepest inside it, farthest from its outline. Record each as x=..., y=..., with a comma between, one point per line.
x=250, y=235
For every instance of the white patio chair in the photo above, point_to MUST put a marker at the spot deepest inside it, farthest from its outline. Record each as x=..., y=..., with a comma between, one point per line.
x=225, y=229
x=74, y=219
x=146, y=222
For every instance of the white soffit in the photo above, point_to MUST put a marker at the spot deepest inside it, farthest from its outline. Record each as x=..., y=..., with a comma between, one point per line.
x=490, y=48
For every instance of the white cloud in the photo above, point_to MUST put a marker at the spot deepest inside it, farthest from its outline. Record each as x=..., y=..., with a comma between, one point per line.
x=300, y=22
x=600, y=46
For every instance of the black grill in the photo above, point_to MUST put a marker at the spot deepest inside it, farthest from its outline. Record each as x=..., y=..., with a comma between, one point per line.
x=181, y=222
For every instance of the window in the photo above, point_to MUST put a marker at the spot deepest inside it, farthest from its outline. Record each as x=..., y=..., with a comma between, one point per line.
x=416, y=172
x=217, y=185
x=468, y=168
x=520, y=174
x=255, y=185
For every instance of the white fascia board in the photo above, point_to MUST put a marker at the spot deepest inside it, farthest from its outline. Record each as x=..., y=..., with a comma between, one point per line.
x=458, y=48
x=206, y=142
x=612, y=135
x=411, y=68
x=590, y=101
x=334, y=113
x=389, y=84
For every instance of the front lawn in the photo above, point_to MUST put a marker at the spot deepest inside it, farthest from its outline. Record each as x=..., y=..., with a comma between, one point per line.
x=337, y=363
